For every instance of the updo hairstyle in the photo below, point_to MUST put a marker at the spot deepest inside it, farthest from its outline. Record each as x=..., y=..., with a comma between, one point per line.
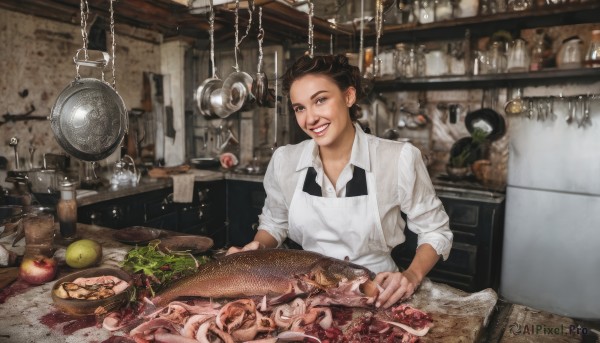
x=335, y=66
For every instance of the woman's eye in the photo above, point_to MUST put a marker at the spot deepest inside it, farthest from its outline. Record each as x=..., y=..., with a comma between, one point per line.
x=298, y=109
x=321, y=100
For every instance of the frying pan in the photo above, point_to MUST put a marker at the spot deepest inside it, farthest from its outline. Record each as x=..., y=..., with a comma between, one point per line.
x=487, y=120
x=89, y=118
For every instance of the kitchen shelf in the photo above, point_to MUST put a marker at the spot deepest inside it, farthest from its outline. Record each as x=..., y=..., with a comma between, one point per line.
x=485, y=25
x=542, y=77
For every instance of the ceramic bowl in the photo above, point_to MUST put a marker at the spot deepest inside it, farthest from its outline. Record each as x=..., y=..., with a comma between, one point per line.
x=80, y=307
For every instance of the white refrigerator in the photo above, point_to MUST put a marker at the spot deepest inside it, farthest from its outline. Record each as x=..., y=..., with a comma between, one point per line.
x=551, y=248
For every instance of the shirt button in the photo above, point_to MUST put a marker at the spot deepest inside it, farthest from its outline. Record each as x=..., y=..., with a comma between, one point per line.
x=330, y=189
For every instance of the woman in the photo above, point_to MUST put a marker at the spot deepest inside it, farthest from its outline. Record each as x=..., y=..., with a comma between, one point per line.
x=342, y=192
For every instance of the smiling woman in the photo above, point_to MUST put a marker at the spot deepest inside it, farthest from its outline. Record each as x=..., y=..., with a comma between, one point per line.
x=341, y=193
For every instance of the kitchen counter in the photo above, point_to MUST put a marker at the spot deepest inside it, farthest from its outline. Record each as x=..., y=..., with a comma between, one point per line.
x=146, y=184
x=27, y=313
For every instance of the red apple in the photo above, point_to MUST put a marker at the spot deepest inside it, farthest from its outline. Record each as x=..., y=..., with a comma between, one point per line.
x=38, y=269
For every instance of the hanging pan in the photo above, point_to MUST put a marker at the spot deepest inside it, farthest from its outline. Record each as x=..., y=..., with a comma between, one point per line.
x=488, y=120
x=89, y=118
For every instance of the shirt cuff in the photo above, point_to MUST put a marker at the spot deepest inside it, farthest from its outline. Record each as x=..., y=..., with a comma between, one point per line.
x=442, y=246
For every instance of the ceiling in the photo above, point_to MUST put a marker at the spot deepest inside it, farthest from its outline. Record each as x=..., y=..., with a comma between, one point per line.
x=282, y=21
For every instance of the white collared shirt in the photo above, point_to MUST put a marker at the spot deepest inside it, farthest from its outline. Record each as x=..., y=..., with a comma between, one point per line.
x=402, y=185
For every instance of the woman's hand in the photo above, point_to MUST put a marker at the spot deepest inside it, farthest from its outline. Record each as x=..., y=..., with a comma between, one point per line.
x=396, y=286
x=254, y=245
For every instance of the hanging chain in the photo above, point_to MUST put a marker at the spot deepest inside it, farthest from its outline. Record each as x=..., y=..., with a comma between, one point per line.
x=378, y=29
x=261, y=36
x=85, y=11
x=211, y=20
x=361, y=49
x=311, y=11
x=237, y=19
x=235, y=50
x=113, y=45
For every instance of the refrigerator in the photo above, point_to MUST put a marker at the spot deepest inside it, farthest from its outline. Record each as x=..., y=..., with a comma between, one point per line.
x=551, y=248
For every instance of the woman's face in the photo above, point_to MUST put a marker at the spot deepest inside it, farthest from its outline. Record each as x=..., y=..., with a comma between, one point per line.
x=322, y=108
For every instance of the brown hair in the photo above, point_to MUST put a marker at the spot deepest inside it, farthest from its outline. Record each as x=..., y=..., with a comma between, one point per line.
x=335, y=66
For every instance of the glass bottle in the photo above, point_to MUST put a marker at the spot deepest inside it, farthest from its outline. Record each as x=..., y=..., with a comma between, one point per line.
x=537, y=52
x=421, y=50
x=66, y=210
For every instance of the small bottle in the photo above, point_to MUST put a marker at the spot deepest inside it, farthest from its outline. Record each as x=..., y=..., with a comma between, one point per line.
x=537, y=52
x=66, y=210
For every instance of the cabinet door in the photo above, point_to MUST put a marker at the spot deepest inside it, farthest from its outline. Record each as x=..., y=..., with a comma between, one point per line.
x=245, y=200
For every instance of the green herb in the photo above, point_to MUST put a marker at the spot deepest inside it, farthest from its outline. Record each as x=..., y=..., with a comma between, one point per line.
x=154, y=270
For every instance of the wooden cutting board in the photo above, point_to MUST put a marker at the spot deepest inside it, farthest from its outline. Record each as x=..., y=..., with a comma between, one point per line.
x=8, y=275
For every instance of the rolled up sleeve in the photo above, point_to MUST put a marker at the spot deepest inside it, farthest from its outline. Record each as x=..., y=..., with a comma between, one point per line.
x=425, y=212
x=274, y=216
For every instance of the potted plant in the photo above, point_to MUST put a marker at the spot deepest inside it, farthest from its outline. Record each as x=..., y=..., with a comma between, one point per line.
x=469, y=150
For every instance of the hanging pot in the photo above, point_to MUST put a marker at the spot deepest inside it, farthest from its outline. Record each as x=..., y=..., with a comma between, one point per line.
x=203, y=96
x=237, y=92
x=260, y=87
x=89, y=118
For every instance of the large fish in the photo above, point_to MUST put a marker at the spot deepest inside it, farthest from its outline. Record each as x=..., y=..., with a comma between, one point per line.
x=276, y=272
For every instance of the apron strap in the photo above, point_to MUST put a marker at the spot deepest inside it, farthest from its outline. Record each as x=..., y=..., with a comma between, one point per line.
x=357, y=186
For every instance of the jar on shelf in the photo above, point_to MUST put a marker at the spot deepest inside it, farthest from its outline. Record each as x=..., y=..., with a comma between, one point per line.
x=401, y=59
x=426, y=12
x=66, y=210
x=421, y=63
x=592, y=56
x=444, y=10
x=496, y=61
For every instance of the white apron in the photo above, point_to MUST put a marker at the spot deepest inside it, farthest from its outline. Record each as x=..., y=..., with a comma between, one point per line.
x=341, y=227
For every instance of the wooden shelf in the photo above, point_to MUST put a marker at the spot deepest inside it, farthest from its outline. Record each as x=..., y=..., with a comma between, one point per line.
x=543, y=77
x=479, y=26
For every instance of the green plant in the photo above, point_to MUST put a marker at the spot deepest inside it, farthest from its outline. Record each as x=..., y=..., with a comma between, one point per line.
x=460, y=160
x=469, y=152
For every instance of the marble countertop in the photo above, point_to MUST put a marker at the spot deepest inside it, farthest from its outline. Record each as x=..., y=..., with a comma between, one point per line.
x=28, y=315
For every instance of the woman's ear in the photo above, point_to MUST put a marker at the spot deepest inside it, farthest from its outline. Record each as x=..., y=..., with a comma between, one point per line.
x=350, y=95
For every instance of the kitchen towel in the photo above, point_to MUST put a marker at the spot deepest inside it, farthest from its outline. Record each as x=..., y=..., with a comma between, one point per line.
x=183, y=187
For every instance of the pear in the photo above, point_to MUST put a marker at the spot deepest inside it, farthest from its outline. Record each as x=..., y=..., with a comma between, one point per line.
x=83, y=253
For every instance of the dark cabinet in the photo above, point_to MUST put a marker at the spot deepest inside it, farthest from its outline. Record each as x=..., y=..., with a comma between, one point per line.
x=474, y=261
x=205, y=215
x=245, y=200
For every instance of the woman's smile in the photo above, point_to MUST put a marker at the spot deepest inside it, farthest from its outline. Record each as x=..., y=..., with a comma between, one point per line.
x=321, y=130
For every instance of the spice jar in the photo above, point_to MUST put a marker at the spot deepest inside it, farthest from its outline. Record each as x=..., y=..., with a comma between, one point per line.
x=66, y=210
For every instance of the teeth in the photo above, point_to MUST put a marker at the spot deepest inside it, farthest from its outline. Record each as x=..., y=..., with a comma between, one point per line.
x=321, y=128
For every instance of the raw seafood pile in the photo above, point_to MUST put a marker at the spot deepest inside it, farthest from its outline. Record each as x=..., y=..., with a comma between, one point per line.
x=278, y=294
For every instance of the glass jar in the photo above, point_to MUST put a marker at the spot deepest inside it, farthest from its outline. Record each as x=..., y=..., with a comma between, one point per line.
x=401, y=56
x=421, y=51
x=443, y=10
x=496, y=61
x=592, y=56
x=426, y=13
x=66, y=210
